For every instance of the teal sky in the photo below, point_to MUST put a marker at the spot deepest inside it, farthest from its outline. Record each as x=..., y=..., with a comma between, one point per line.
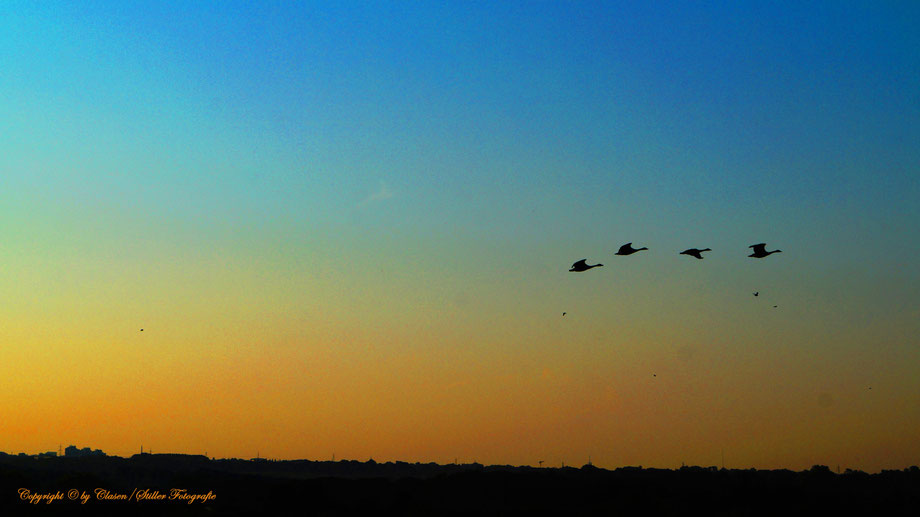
x=524, y=121
x=418, y=169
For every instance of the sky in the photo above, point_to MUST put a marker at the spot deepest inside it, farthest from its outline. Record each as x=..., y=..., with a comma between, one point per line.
x=345, y=229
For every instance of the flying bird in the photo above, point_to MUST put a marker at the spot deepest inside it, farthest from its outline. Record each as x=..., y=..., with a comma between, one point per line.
x=756, y=293
x=760, y=250
x=582, y=265
x=693, y=252
x=627, y=249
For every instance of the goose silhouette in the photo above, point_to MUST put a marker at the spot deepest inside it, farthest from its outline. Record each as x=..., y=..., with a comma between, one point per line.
x=760, y=250
x=627, y=249
x=693, y=252
x=582, y=265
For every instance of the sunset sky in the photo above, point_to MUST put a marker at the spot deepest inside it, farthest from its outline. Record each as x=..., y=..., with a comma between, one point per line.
x=346, y=228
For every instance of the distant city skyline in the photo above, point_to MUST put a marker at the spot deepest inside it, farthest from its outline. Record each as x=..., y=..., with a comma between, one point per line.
x=73, y=452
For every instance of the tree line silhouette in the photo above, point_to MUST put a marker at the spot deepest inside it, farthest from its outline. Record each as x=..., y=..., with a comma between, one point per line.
x=303, y=487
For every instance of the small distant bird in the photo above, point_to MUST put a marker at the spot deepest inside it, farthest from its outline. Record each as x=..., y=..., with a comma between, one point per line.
x=693, y=252
x=563, y=314
x=760, y=250
x=756, y=293
x=627, y=249
x=582, y=265
x=775, y=306
x=653, y=375
x=142, y=330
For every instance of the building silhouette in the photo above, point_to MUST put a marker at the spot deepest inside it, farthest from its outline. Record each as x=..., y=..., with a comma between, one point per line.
x=73, y=452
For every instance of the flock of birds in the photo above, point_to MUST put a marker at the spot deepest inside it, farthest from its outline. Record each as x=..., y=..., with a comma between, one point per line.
x=760, y=251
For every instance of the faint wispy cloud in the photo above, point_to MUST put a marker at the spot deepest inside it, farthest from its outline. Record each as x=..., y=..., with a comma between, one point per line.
x=384, y=192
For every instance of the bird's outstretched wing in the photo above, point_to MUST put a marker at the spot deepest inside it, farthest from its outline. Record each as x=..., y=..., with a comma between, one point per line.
x=582, y=262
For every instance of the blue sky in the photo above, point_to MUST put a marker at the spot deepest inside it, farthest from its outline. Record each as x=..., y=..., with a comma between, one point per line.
x=761, y=107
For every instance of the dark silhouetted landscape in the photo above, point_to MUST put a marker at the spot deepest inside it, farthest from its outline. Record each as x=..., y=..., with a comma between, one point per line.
x=302, y=487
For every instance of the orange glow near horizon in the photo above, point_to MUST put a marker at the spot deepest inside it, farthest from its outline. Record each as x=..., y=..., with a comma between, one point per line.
x=438, y=388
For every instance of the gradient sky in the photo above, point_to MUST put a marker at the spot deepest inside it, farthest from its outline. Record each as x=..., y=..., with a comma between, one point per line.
x=346, y=229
